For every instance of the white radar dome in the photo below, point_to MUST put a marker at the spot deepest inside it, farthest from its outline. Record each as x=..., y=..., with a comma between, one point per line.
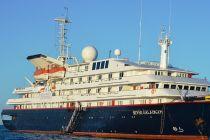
x=117, y=52
x=89, y=53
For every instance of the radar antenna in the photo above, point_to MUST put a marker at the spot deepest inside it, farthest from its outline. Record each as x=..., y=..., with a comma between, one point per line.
x=63, y=47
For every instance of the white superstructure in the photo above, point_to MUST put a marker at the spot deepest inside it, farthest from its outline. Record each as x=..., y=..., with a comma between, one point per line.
x=106, y=82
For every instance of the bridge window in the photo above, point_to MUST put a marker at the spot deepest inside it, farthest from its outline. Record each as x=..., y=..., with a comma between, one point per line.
x=98, y=65
x=198, y=88
x=94, y=66
x=173, y=86
x=192, y=88
x=203, y=89
x=102, y=64
x=166, y=85
x=186, y=87
x=180, y=87
x=107, y=64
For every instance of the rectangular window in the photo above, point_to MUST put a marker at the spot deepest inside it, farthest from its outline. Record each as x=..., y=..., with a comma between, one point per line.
x=186, y=87
x=157, y=85
x=198, y=88
x=71, y=81
x=89, y=104
x=120, y=88
x=98, y=65
x=203, y=89
x=99, y=77
x=169, y=73
x=179, y=87
x=120, y=102
x=166, y=85
x=86, y=68
x=192, y=88
x=110, y=76
x=173, y=86
x=121, y=74
x=208, y=89
x=107, y=64
x=102, y=64
x=94, y=66
x=155, y=72
x=98, y=90
x=109, y=89
x=132, y=102
x=80, y=79
x=109, y=103
x=89, y=79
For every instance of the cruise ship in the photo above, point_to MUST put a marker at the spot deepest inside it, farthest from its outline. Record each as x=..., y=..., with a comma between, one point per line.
x=110, y=98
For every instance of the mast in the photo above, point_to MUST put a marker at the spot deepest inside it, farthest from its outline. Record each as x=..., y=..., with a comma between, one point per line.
x=63, y=47
x=164, y=43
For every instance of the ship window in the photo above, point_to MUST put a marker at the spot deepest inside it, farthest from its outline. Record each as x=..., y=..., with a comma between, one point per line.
x=98, y=65
x=155, y=72
x=120, y=88
x=89, y=79
x=166, y=85
x=121, y=74
x=98, y=90
x=186, y=87
x=110, y=76
x=107, y=64
x=80, y=79
x=159, y=100
x=198, y=88
x=109, y=89
x=71, y=80
x=192, y=88
x=86, y=68
x=88, y=104
x=94, y=66
x=132, y=102
x=99, y=77
x=180, y=87
x=109, y=103
x=203, y=89
x=120, y=102
x=173, y=86
x=102, y=64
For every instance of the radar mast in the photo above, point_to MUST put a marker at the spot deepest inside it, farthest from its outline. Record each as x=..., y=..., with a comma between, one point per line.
x=63, y=47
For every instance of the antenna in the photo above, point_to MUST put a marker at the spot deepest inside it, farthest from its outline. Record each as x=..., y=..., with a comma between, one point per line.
x=140, y=34
x=169, y=24
x=62, y=37
x=169, y=19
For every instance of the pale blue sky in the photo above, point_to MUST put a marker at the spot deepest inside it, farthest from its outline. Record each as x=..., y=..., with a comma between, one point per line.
x=27, y=27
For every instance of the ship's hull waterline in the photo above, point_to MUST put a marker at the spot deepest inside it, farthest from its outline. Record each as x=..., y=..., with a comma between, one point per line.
x=184, y=120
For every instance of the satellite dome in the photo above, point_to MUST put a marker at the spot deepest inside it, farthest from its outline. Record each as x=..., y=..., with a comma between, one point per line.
x=117, y=52
x=89, y=53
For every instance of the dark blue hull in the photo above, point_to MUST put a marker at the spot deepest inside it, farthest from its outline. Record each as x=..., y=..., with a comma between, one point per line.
x=176, y=119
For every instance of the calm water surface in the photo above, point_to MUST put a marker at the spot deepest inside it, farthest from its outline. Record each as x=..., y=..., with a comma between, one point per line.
x=8, y=135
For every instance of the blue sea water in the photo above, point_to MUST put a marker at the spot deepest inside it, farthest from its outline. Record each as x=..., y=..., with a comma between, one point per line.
x=9, y=135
